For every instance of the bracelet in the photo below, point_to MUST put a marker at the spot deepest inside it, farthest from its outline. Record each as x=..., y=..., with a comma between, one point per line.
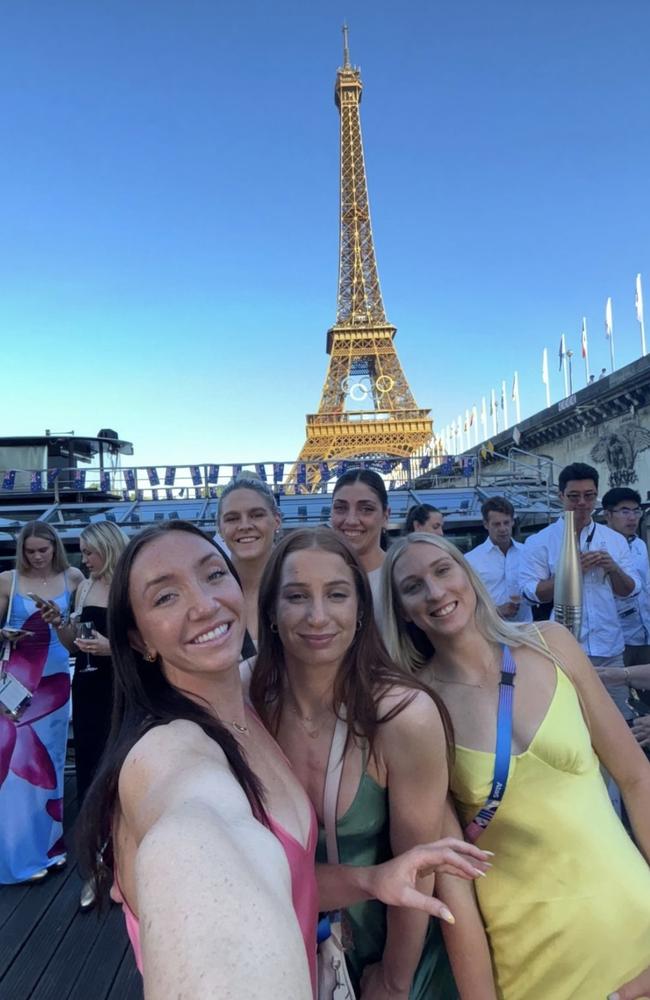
x=626, y=675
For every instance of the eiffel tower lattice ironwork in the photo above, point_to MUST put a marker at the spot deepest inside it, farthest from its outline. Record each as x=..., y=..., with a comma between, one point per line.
x=367, y=410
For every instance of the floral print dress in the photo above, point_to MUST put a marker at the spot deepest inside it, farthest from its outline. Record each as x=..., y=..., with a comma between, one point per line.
x=32, y=749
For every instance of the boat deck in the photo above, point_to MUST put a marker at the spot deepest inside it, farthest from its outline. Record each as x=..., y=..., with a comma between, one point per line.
x=49, y=950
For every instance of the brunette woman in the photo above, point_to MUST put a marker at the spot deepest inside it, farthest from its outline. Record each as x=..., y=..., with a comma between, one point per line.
x=33, y=741
x=320, y=656
x=248, y=521
x=564, y=864
x=424, y=517
x=210, y=834
x=359, y=515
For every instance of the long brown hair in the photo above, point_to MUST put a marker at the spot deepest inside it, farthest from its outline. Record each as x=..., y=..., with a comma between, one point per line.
x=144, y=698
x=366, y=672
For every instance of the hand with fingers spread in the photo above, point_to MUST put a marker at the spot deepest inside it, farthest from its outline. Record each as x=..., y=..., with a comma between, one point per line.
x=394, y=881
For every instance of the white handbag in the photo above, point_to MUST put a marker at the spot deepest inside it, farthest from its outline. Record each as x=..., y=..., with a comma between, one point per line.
x=333, y=979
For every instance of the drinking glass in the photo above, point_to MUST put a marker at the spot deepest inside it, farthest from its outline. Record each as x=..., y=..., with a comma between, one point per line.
x=85, y=630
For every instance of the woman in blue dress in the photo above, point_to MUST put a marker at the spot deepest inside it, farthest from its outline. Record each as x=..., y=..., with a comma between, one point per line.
x=32, y=746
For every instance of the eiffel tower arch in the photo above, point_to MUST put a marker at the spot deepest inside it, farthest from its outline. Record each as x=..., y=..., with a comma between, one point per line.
x=367, y=410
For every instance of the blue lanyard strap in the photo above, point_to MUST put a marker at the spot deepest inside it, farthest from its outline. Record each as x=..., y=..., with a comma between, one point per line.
x=503, y=748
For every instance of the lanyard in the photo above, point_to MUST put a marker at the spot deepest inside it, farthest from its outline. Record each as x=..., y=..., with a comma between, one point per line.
x=502, y=751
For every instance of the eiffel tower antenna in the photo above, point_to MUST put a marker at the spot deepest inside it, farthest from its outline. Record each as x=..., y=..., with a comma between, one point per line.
x=366, y=410
x=346, y=48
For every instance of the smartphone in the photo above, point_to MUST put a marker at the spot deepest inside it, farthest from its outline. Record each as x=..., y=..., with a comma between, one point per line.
x=41, y=601
x=14, y=696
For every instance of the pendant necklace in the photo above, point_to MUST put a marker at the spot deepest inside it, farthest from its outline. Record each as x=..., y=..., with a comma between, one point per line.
x=303, y=719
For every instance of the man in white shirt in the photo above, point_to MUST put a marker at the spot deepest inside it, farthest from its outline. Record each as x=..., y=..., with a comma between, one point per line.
x=622, y=507
x=497, y=560
x=608, y=572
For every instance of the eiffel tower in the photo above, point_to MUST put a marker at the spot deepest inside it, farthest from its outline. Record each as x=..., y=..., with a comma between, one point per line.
x=367, y=410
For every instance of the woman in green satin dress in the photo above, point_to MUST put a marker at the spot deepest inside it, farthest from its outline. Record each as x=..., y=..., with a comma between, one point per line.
x=319, y=651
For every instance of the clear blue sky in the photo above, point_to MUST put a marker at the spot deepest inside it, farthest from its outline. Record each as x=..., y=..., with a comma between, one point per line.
x=169, y=206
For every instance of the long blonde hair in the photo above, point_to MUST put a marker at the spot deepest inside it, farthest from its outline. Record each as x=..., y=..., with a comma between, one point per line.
x=108, y=541
x=408, y=645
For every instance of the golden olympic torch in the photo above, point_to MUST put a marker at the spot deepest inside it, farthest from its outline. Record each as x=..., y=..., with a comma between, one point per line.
x=567, y=593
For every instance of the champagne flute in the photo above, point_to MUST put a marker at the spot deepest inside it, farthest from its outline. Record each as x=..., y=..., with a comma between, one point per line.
x=85, y=630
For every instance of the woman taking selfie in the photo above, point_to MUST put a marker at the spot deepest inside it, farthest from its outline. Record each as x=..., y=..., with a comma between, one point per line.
x=532, y=724
x=194, y=803
x=321, y=660
x=33, y=739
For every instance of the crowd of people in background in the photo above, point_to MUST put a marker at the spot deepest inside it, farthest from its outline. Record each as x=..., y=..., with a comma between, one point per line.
x=376, y=753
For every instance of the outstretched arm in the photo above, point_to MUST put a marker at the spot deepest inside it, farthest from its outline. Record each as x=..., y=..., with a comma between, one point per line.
x=210, y=884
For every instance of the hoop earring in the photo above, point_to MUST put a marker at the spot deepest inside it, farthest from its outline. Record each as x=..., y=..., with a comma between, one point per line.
x=274, y=628
x=150, y=657
x=359, y=624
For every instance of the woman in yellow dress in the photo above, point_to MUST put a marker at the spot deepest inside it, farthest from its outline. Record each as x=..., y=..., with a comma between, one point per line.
x=567, y=903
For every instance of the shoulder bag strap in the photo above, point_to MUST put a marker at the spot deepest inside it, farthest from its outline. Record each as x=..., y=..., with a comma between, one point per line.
x=14, y=576
x=332, y=785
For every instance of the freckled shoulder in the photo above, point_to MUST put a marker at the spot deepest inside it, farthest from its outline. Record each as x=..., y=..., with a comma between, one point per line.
x=165, y=748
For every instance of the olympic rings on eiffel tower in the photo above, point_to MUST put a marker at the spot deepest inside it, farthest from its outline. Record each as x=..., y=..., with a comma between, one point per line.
x=384, y=384
x=361, y=389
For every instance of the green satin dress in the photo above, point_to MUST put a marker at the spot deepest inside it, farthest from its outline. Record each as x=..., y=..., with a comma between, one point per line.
x=363, y=839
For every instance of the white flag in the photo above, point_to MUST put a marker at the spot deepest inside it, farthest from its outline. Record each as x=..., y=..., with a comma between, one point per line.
x=609, y=323
x=639, y=299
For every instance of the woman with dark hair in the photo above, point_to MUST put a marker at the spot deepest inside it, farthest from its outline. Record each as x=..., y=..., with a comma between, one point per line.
x=210, y=834
x=532, y=723
x=424, y=517
x=33, y=738
x=248, y=520
x=359, y=515
x=321, y=660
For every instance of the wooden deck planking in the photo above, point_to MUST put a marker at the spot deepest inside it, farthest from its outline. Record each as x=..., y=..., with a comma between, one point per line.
x=50, y=950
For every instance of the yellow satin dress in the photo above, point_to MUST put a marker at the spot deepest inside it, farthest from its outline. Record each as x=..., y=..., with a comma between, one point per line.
x=566, y=905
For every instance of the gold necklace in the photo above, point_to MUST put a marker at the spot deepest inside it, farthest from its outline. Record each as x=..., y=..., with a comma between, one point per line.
x=303, y=719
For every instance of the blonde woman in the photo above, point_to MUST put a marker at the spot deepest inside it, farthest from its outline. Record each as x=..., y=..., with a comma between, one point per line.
x=101, y=545
x=33, y=739
x=248, y=520
x=563, y=862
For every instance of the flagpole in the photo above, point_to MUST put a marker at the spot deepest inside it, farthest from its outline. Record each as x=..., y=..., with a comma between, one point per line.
x=609, y=330
x=484, y=418
x=585, y=349
x=504, y=401
x=639, y=312
x=545, y=378
x=516, y=398
x=569, y=355
x=565, y=367
x=495, y=421
x=475, y=421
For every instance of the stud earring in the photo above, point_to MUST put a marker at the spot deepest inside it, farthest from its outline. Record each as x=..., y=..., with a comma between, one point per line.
x=150, y=657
